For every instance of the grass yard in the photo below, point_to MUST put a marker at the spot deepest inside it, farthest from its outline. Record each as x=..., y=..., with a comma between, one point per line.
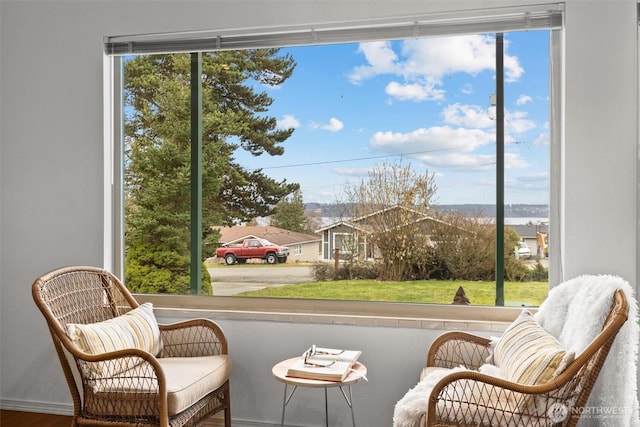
x=422, y=291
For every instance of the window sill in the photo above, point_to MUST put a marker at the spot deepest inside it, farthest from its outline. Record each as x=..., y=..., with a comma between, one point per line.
x=359, y=313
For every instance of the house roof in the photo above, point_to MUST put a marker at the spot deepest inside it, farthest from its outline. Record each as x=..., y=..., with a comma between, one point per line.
x=345, y=223
x=529, y=230
x=276, y=235
x=361, y=223
x=417, y=214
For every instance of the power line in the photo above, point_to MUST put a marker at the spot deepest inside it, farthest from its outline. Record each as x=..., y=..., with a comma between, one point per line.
x=353, y=159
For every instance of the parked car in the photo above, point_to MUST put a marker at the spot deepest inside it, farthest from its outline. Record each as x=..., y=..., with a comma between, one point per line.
x=522, y=251
x=253, y=248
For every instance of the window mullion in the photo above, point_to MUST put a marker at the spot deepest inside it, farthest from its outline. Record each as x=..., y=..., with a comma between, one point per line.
x=499, y=169
x=196, y=173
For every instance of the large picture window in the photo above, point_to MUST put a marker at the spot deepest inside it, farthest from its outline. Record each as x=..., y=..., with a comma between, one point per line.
x=366, y=165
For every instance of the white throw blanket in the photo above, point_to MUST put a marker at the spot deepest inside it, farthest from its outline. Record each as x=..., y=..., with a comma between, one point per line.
x=413, y=404
x=574, y=312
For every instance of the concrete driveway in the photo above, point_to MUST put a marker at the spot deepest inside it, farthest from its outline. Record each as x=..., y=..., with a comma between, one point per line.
x=230, y=280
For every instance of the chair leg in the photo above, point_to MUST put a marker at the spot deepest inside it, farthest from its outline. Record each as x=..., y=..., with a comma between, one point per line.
x=227, y=409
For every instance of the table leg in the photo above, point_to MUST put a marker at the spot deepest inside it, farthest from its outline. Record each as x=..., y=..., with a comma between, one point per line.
x=353, y=417
x=349, y=400
x=326, y=409
x=285, y=401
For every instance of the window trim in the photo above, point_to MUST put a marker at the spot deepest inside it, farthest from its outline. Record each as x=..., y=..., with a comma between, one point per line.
x=364, y=313
x=113, y=223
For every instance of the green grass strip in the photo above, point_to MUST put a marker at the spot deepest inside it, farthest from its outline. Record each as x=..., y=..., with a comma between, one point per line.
x=421, y=291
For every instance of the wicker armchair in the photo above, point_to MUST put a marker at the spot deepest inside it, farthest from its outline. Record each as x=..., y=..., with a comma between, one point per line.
x=183, y=385
x=471, y=398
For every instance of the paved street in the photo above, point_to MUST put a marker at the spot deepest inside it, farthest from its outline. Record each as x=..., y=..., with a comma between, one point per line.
x=230, y=280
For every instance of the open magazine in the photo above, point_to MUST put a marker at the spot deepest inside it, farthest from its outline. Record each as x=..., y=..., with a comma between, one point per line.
x=328, y=364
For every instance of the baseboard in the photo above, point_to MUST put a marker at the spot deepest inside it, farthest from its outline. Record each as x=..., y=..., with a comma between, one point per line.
x=38, y=407
x=64, y=409
x=246, y=423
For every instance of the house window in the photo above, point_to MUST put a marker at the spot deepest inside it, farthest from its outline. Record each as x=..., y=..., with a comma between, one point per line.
x=389, y=96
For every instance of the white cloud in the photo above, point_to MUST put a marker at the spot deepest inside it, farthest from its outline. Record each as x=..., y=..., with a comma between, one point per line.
x=461, y=161
x=531, y=182
x=442, y=56
x=466, y=89
x=437, y=138
x=414, y=92
x=288, y=121
x=469, y=116
x=542, y=140
x=446, y=147
x=352, y=171
x=513, y=70
x=517, y=122
x=422, y=63
x=536, y=178
x=381, y=59
x=514, y=161
x=474, y=116
x=334, y=125
x=468, y=161
x=523, y=99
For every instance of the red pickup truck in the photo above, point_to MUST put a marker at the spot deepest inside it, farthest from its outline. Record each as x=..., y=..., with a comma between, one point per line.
x=253, y=248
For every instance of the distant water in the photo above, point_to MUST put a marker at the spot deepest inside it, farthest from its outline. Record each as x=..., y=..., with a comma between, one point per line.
x=324, y=221
x=524, y=221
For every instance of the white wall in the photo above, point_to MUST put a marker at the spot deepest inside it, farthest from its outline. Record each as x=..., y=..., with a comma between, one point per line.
x=51, y=179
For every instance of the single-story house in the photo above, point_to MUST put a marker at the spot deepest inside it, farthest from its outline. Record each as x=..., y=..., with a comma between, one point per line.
x=302, y=247
x=354, y=235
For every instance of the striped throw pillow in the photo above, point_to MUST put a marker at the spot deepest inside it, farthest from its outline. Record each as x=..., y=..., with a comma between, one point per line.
x=137, y=328
x=527, y=354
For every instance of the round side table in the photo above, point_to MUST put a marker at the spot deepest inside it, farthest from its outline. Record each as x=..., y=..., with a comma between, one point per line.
x=280, y=373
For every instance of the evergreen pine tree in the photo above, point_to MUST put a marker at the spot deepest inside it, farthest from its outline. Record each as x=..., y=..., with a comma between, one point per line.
x=289, y=214
x=157, y=157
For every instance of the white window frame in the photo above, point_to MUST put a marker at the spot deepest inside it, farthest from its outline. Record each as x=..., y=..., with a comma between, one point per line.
x=441, y=24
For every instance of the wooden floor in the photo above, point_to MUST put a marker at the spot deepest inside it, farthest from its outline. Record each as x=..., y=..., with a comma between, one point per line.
x=28, y=419
x=32, y=419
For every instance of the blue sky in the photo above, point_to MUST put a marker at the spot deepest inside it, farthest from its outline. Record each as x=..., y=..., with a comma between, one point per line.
x=424, y=102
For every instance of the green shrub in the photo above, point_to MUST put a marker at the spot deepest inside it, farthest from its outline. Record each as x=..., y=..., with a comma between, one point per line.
x=322, y=271
x=538, y=274
x=357, y=270
x=515, y=270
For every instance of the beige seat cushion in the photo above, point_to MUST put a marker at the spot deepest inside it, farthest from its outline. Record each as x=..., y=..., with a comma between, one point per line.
x=189, y=379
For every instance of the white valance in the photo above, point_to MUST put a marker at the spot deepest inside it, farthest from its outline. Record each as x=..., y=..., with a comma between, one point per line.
x=477, y=21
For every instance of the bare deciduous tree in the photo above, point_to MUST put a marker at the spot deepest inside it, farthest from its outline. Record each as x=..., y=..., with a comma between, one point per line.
x=392, y=206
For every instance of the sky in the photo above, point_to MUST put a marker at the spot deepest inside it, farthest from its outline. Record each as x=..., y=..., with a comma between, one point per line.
x=421, y=102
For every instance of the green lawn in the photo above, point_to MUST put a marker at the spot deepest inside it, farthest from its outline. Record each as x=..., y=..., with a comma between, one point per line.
x=422, y=291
